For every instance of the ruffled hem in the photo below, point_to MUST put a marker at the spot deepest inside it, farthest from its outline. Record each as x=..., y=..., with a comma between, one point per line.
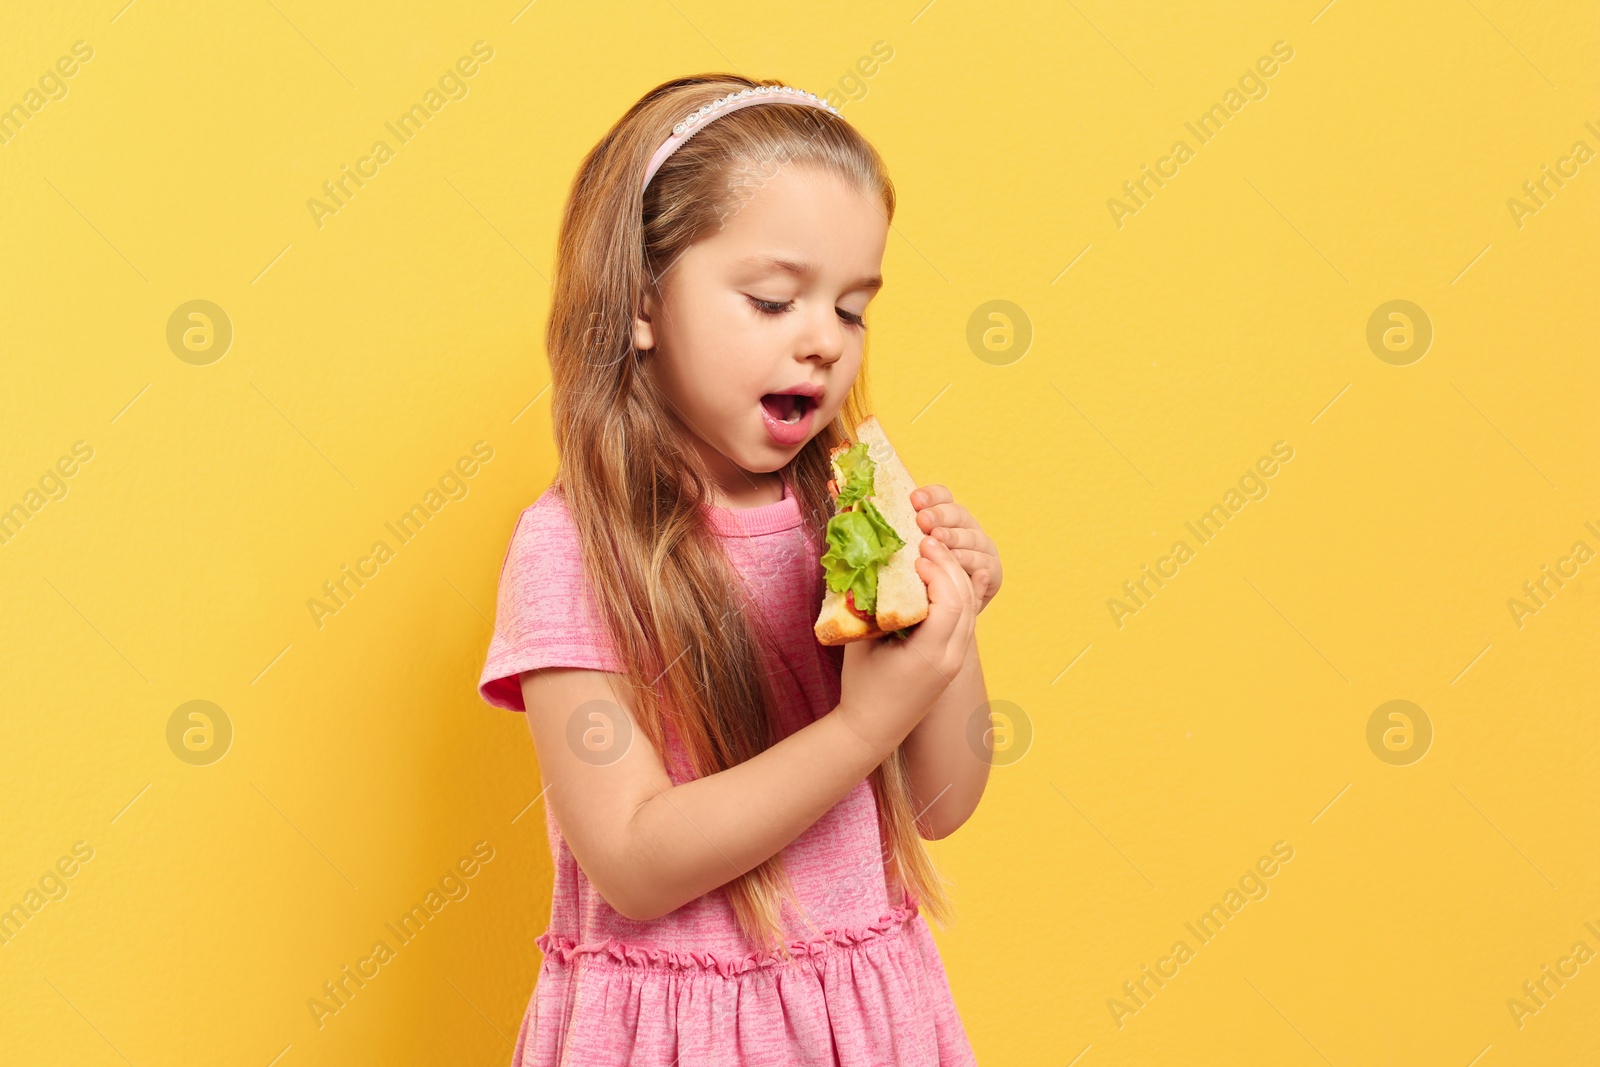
x=563, y=948
x=862, y=997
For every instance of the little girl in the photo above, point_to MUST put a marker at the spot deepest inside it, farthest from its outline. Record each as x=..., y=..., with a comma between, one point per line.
x=735, y=811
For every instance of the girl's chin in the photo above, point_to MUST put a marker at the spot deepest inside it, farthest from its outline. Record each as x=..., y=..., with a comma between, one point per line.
x=767, y=459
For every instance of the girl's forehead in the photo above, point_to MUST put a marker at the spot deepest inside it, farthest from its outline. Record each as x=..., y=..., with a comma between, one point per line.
x=793, y=185
x=805, y=222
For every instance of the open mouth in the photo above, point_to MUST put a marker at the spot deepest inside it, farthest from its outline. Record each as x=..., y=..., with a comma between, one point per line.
x=787, y=407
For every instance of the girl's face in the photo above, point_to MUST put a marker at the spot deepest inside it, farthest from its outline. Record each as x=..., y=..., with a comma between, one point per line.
x=770, y=303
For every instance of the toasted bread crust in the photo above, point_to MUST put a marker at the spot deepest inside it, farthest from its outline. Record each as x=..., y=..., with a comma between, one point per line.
x=894, y=620
x=831, y=631
x=838, y=625
x=902, y=594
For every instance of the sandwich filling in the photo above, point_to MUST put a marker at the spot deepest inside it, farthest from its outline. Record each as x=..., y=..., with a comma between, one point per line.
x=859, y=538
x=786, y=407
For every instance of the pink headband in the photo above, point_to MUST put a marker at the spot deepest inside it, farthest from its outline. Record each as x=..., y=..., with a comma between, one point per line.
x=696, y=120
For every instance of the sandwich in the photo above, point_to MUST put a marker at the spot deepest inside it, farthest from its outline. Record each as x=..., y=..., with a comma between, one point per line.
x=872, y=587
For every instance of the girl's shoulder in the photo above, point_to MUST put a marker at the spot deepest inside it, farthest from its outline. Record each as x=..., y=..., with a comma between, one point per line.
x=544, y=613
x=544, y=558
x=544, y=525
x=551, y=500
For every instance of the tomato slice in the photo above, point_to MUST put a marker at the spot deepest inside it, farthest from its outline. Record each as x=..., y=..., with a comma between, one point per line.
x=850, y=602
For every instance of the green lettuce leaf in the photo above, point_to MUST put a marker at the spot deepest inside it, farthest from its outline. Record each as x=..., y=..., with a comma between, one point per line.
x=859, y=542
x=857, y=470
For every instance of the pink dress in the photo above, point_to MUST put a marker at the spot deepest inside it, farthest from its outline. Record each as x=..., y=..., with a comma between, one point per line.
x=866, y=986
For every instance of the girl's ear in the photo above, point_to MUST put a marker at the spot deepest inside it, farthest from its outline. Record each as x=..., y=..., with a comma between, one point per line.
x=644, y=334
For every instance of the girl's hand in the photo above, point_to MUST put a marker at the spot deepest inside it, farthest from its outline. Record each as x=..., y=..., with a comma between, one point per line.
x=939, y=515
x=889, y=683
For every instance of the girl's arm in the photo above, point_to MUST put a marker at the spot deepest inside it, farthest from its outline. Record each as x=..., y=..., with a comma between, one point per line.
x=649, y=846
x=947, y=774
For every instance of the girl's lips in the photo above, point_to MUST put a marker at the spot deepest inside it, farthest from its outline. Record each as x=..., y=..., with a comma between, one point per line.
x=787, y=434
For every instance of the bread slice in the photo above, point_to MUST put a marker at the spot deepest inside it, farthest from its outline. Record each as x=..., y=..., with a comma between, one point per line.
x=902, y=594
x=836, y=623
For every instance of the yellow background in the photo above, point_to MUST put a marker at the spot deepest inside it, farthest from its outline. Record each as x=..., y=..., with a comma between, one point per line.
x=1228, y=314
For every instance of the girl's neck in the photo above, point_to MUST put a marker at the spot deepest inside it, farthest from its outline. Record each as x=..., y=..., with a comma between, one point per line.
x=752, y=491
x=731, y=486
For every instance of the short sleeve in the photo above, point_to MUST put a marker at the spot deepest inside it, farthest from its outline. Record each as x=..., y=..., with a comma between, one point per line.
x=544, y=613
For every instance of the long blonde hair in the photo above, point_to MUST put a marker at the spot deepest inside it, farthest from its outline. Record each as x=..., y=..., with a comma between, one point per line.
x=669, y=598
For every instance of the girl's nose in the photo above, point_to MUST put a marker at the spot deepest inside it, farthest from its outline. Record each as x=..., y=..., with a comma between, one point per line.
x=826, y=338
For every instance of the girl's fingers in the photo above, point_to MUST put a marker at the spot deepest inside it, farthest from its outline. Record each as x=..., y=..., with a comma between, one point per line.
x=948, y=513
x=945, y=605
x=942, y=589
x=969, y=601
x=972, y=560
x=952, y=607
x=960, y=536
x=940, y=556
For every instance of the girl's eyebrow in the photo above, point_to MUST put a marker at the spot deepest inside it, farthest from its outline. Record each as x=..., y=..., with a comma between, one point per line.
x=803, y=269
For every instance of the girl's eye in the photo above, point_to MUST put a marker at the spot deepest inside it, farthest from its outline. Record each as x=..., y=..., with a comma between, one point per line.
x=778, y=307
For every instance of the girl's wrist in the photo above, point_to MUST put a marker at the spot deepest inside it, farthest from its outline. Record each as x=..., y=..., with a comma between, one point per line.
x=866, y=731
